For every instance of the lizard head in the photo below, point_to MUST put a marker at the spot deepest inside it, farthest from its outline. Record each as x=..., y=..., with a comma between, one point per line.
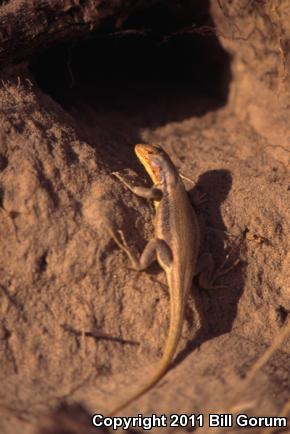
x=157, y=163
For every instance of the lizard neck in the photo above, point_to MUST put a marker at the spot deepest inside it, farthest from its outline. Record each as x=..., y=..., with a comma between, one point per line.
x=168, y=177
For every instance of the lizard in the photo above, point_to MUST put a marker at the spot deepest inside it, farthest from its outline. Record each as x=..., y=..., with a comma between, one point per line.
x=176, y=246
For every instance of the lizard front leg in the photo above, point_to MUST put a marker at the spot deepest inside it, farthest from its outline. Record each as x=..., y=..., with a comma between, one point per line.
x=153, y=193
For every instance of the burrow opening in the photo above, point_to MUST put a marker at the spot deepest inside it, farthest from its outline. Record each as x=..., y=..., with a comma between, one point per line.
x=164, y=63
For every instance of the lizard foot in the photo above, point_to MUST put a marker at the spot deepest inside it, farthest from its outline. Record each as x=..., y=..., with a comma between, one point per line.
x=122, y=179
x=199, y=198
x=124, y=246
x=208, y=276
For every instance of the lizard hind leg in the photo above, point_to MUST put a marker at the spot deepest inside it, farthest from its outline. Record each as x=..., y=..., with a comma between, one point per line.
x=149, y=254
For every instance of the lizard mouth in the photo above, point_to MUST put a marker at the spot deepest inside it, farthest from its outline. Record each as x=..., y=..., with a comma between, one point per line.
x=146, y=154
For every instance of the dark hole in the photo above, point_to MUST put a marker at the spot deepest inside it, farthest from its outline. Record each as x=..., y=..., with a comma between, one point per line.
x=14, y=214
x=42, y=262
x=282, y=314
x=1, y=197
x=3, y=162
x=160, y=59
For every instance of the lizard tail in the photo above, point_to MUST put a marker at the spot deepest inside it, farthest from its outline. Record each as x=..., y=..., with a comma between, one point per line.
x=175, y=328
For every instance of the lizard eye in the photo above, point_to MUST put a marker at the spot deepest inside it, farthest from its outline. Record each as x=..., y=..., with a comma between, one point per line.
x=157, y=163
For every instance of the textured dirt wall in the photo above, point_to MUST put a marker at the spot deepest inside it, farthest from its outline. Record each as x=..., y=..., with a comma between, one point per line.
x=257, y=34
